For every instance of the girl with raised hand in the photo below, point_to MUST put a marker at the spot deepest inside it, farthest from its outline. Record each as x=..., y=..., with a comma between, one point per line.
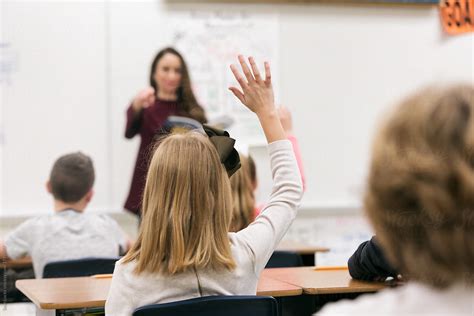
x=184, y=249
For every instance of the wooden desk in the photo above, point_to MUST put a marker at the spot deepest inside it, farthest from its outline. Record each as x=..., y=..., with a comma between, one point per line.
x=319, y=288
x=273, y=287
x=63, y=293
x=71, y=293
x=322, y=282
x=287, y=284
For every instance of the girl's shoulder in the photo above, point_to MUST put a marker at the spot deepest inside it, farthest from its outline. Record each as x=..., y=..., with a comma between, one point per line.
x=124, y=268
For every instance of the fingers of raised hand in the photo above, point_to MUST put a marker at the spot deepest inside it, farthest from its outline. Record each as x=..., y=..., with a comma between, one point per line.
x=238, y=94
x=238, y=76
x=246, y=69
x=255, y=71
x=268, y=75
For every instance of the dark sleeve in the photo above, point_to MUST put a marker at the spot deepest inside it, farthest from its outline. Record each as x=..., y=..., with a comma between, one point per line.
x=369, y=262
x=134, y=122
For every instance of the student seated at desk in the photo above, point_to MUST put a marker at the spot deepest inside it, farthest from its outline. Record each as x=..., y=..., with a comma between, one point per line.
x=69, y=233
x=420, y=199
x=184, y=248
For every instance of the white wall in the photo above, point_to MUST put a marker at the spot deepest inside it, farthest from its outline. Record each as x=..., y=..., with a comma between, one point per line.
x=340, y=68
x=55, y=101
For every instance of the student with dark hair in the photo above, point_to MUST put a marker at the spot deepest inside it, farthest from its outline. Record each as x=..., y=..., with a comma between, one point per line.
x=69, y=233
x=169, y=94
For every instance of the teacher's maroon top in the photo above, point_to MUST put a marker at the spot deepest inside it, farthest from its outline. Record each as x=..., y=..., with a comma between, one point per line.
x=147, y=124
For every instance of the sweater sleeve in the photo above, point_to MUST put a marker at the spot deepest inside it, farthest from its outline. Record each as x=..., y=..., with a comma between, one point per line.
x=19, y=242
x=369, y=263
x=264, y=234
x=134, y=122
x=296, y=150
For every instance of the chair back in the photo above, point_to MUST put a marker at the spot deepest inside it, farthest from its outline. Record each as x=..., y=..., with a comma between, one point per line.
x=79, y=267
x=284, y=259
x=214, y=306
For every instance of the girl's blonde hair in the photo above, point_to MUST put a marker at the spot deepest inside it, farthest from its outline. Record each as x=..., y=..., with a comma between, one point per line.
x=242, y=197
x=187, y=209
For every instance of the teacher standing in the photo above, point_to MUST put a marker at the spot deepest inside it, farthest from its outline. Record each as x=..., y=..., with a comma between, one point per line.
x=169, y=93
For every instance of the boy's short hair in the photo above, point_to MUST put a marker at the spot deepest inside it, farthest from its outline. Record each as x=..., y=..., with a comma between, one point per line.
x=72, y=177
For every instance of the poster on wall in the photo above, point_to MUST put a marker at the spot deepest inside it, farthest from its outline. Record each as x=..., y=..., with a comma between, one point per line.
x=457, y=16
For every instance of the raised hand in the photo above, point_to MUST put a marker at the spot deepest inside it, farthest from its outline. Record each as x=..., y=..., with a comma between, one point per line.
x=257, y=95
x=257, y=92
x=144, y=99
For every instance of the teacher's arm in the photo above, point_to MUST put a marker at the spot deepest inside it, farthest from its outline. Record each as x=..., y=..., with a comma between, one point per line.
x=144, y=99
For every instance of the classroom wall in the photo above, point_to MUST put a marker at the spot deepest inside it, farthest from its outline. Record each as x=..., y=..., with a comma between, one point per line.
x=341, y=66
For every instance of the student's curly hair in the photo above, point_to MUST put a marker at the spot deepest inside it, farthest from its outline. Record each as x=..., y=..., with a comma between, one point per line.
x=420, y=194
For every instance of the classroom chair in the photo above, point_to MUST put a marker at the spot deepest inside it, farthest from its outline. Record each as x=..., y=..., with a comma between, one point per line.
x=79, y=267
x=284, y=259
x=214, y=306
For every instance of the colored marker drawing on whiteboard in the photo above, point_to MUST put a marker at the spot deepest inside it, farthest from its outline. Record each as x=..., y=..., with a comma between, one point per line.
x=210, y=42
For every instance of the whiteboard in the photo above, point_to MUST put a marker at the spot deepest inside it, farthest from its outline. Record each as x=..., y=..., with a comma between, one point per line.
x=337, y=67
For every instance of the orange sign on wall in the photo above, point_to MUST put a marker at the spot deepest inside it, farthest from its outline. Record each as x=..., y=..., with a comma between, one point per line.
x=457, y=16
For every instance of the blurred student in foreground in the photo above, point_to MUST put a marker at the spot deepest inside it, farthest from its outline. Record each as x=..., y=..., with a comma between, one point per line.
x=420, y=200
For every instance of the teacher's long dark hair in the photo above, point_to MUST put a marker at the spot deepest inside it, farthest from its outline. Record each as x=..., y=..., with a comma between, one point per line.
x=187, y=103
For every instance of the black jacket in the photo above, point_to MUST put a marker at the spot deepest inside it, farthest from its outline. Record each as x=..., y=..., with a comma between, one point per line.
x=369, y=263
